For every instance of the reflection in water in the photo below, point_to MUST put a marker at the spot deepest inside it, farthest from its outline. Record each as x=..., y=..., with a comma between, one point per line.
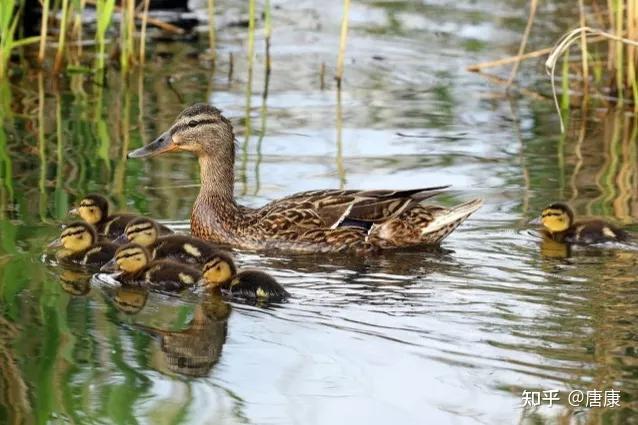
x=194, y=350
x=75, y=283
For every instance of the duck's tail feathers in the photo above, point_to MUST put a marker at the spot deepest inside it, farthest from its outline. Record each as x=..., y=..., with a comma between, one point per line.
x=443, y=224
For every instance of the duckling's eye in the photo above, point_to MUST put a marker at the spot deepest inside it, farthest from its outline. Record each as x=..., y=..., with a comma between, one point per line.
x=218, y=268
x=192, y=124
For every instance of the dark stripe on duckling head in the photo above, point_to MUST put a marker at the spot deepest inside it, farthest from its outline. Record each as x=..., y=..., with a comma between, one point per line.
x=218, y=259
x=138, y=226
x=77, y=228
x=96, y=200
x=560, y=207
x=130, y=250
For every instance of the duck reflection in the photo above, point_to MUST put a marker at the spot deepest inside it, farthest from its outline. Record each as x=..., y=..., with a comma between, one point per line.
x=195, y=350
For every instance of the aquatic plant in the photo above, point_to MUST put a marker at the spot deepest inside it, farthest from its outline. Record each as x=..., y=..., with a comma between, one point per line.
x=607, y=35
x=342, y=42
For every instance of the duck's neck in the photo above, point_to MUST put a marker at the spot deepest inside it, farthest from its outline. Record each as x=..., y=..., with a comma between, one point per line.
x=215, y=211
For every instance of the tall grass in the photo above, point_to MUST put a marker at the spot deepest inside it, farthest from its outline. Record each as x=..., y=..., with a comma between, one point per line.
x=342, y=42
x=104, y=10
x=607, y=34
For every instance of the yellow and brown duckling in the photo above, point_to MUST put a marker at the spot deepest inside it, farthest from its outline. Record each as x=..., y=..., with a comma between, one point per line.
x=182, y=248
x=361, y=221
x=78, y=244
x=220, y=272
x=94, y=209
x=137, y=269
x=559, y=224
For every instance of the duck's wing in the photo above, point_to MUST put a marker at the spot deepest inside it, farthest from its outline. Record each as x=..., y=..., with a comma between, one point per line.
x=362, y=208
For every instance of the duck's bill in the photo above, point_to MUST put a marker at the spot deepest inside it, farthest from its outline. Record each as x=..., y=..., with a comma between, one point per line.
x=162, y=144
x=74, y=211
x=110, y=267
x=535, y=221
x=55, y=244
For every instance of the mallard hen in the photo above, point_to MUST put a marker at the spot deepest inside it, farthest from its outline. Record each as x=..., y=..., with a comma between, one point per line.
x=315, y=221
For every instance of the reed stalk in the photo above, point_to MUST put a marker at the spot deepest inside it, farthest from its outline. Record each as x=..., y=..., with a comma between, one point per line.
x=43, y=31
x=342, y=42
x=8, y=24
x=212, y=36
x=146, y=5
x=59, y=55
x=104, y=10
x=267, y=34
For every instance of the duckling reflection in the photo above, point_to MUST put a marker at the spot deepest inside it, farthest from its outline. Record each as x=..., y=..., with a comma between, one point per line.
x=75, y=283
x=195, y=350
x=129, y=299
x=551, y=248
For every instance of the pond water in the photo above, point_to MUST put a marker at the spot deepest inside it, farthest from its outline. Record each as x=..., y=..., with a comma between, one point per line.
x=445, y=336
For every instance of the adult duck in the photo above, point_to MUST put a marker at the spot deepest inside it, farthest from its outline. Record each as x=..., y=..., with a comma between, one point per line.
x=315, y=221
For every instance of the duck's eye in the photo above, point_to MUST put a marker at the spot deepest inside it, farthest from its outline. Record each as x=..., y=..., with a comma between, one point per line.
x=218, y=268
x=192, y=123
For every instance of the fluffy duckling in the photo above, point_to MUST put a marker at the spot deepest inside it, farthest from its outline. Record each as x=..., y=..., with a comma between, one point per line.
x=79, y=244
x=182, y=248
x=558, y=223
x=94, y=209
x=220, y=271
x=137, y=269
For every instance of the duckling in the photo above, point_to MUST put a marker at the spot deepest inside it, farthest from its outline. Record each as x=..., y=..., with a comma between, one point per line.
x=182, y=248
x=559, y=225
x=79, y=245
x=137, y=269
x=220, y=271
x=94, y=209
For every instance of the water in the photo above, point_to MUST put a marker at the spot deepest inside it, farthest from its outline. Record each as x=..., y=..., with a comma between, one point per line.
x=445, y=336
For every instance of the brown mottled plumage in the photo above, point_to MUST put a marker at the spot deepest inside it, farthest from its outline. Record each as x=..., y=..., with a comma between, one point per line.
x=558, y=224
x=315, y=221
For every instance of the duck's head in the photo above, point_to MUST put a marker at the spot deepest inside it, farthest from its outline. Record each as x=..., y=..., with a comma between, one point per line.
x=142, y=231
x=200, y=129
x=557, y=217
x=76, y=237
x=129, y=258
x=92, y=208
x=218, y=270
